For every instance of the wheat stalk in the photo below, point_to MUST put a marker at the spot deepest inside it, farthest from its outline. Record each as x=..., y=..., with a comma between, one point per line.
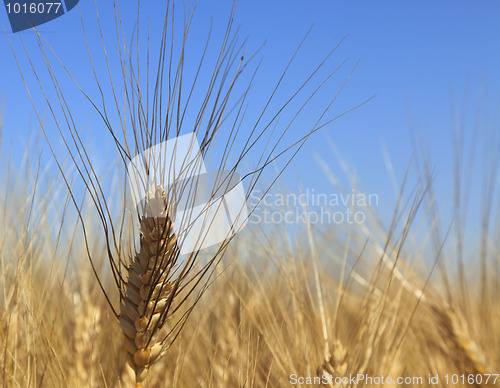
x=151, y=286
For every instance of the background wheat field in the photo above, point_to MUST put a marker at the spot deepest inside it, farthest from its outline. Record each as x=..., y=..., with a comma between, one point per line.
x=405, y=293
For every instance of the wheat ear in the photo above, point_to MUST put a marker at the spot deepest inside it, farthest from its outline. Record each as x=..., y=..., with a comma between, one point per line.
x=86, y=333
x=148, y=290
x=474, y=359
x=336, y=363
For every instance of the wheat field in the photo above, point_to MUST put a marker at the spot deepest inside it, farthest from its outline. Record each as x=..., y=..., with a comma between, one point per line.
x=304, y=302
x=84, y=303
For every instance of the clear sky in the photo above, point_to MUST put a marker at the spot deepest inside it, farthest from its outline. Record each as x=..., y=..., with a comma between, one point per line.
x=418, y=55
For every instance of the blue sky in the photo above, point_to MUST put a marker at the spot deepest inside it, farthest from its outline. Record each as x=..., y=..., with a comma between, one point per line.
x=418, y=55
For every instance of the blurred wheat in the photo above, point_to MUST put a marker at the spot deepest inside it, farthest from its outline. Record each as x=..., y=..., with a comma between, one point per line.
x=308, y=301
